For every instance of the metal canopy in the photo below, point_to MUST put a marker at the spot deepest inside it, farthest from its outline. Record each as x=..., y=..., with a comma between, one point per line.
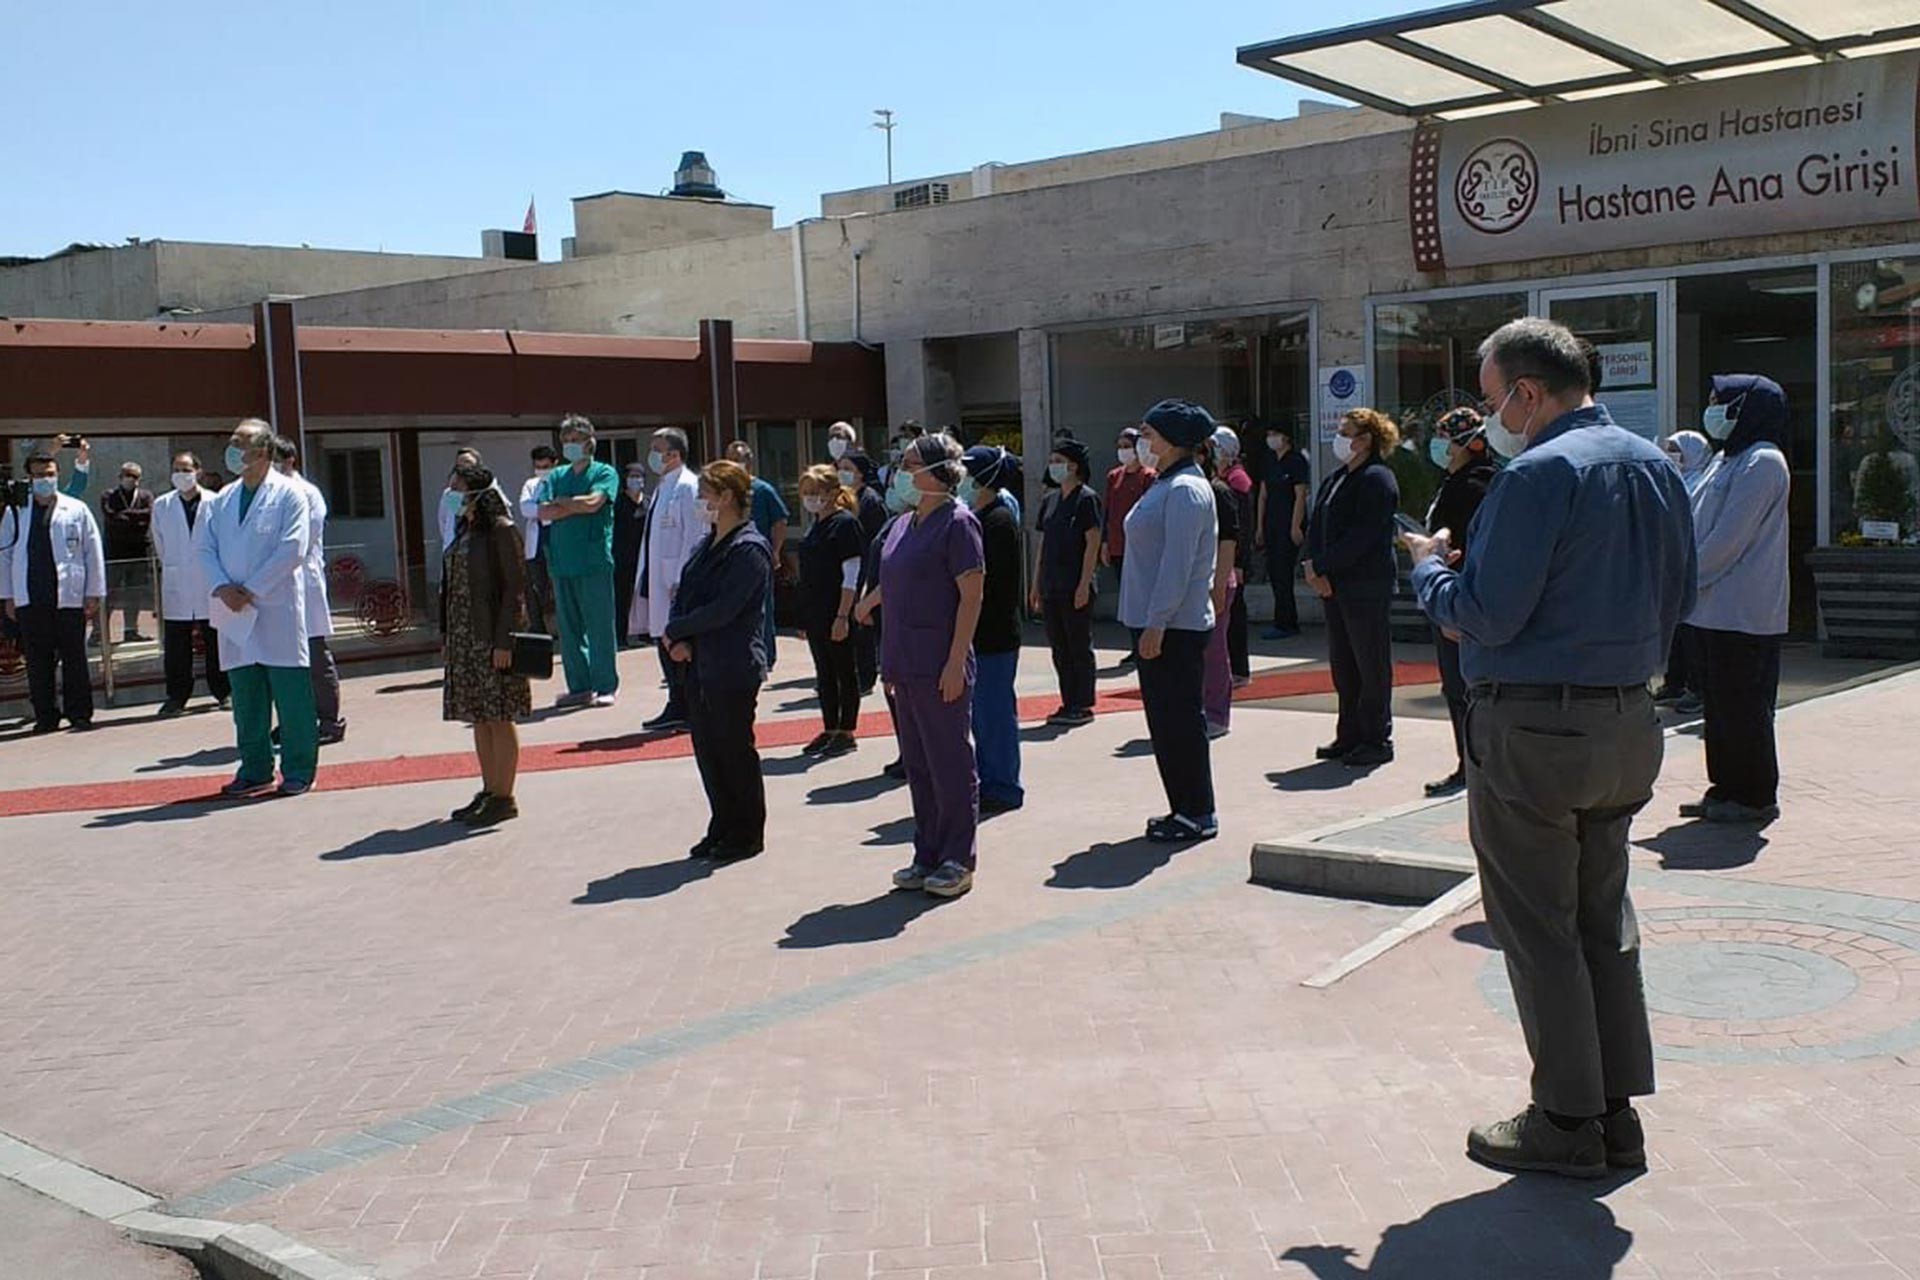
x=1501, y=55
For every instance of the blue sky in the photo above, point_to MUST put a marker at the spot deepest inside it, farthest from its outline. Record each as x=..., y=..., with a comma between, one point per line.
x=410, y=126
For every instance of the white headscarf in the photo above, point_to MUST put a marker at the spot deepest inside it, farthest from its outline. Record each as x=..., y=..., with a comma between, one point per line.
x=1695, y=451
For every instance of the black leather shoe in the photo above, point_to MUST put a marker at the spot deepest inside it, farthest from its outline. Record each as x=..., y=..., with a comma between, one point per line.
x=1369, y=756
x=735, y=852
x=1333, y=751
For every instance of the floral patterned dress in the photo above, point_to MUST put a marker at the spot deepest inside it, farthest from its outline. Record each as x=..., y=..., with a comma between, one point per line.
x=475, y=692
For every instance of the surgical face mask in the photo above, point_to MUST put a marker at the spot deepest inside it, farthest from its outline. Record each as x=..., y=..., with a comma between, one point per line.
x=1126, y=455
x=45, y=486
x=703, y=511
x=1148, y=458
x=1438, y=450
x=1715, y=422
x=236, y=459
x=905, y=490
x=850, y=479
x=1343, y=449
x=898, y=502
x=1507, y=442
x=574, y=450
x=967, y=491
x=657, y=463
x=636, y=484
x=186, y=481
x=1057, y=472
x=452, y=500
x=1278, y=444
x=129, y=483
x=540, y=472
x=836, y=447
x=814, y=504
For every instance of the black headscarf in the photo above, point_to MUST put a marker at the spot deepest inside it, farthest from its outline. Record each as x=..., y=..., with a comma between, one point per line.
x=1758, y=408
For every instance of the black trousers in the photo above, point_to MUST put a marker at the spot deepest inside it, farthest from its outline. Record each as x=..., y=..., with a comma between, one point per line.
x=176, y=642
x=56, y=637
x=540, y=606
x=1282, y=558
x=623, y=576
x=1686, y=662
x=1237, y=659
x=836, y=675
x=1171, y=688
x=1360, y=650
x=1070, y=637
x=1742, y=682
x=1453, y=687
x=677, y=682
x=866, y=657
x=721, y=722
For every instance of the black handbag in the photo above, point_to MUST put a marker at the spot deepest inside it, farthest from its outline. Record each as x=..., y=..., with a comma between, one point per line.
x=532, y=655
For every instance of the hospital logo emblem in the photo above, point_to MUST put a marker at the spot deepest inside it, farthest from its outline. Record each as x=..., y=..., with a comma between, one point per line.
x=1497, y=186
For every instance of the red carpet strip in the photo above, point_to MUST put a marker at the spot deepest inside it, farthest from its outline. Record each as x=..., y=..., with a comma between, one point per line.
x=634, y=748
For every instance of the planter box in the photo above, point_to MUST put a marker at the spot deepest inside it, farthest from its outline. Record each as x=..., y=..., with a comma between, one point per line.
x=1869, y=601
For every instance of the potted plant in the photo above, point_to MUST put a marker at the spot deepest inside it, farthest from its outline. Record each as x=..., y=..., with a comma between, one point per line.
x=1869, y=585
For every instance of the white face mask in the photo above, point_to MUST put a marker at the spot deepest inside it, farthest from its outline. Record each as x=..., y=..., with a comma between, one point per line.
x=850, y=479
x=186, y=481
x=1148, y=458
x=1505, y=441
x=657, y=463
x=703, y=511
x=814, y=504
x=1343, y=449
x=1715, y=422
x=1278, y=444
x=636, y=484
x=835, y=447
x=1126, y=456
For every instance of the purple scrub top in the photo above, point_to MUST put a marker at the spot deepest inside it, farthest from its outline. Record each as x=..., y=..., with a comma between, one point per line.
x=919, y=569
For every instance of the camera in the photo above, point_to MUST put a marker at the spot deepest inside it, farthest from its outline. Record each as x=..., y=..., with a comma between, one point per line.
x=72, y=440
x=15, y=493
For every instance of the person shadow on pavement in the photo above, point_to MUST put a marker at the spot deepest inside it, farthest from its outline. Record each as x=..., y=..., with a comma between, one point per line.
x=1705, y=846
x=1322, y=775
x=886, y=916
x=1112, y=866
x=656, y=881
x=416, y=839
x=1527, y=1228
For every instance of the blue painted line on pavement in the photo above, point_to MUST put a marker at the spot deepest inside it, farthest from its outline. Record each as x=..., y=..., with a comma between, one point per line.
x=451, y=1115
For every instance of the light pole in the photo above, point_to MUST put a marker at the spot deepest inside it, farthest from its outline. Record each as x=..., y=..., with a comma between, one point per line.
x=885, y=124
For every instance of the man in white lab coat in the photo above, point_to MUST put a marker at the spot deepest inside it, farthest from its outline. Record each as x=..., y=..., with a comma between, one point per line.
x=184, y=598
x=53, y=575
x=323, y=671
x=674, y=529
x=254, y=555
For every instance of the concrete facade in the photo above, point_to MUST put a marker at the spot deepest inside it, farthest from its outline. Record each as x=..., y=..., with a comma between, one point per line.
x=141, y=281
x=622, y=221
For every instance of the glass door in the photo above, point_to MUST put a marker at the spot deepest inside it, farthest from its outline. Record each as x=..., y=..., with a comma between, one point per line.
x=1632, y=328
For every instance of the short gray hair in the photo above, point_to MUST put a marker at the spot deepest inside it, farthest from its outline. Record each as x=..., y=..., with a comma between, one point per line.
x=577, y=424
x=1532, y=347
x=255, y=434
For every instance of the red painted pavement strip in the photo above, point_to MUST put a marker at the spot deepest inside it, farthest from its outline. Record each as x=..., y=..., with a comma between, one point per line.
x=595, y=752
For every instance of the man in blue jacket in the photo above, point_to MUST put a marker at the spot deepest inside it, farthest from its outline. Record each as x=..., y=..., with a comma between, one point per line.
x=1581, y=563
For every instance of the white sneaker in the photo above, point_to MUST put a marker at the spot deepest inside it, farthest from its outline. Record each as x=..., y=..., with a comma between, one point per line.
x=602, y=699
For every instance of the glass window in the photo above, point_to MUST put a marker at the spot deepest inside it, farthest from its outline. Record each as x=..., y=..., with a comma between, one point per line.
x=1876, y=393
x=355, y=485
x=1104, y=379
x=1425, y=355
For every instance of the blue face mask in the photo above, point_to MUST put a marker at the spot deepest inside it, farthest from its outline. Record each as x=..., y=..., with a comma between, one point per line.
x=451, y=501
x=967, y=491
x=1437, y=450
x=45, y=486
x=903, y=494
x=236, y=459
x=1715, y=422
x=573, y=450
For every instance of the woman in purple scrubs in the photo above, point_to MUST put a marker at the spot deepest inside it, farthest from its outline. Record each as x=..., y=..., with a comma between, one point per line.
x=932, y=572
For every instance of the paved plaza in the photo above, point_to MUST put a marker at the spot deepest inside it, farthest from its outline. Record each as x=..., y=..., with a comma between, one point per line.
x=560, y=1049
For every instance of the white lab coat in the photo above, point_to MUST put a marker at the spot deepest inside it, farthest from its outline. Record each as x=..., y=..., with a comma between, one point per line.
x=78, y=559
x=319, y=609
x=183, y=586
x=267, y=554
x=532, y=494
x=674, y=529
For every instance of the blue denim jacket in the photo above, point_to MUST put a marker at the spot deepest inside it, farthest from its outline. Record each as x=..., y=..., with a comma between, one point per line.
x=1579, y=565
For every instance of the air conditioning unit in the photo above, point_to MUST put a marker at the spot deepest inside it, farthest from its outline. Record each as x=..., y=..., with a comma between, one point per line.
x=920, y=195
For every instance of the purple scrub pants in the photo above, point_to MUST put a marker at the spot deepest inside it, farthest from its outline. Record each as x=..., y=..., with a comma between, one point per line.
x=1218, y=695
x=938, y=754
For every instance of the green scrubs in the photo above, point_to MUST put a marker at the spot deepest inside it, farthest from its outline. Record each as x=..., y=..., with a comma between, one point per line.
x=580, y=562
